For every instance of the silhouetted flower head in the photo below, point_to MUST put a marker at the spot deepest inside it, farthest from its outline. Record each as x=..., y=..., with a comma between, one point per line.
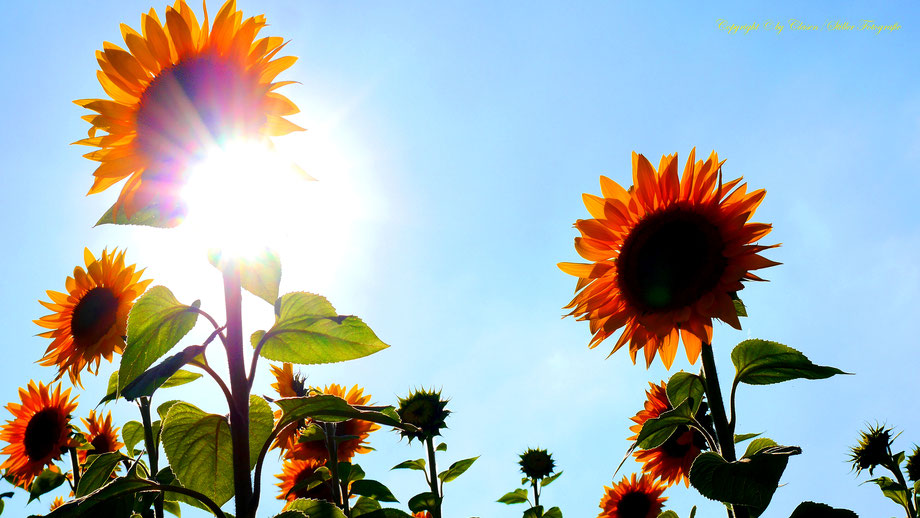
x=537, y=463
x=425, y=410
x=874, y=449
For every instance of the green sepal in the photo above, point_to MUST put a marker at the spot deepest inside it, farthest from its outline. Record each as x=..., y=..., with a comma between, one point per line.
x=762, y=362
x=155, y=324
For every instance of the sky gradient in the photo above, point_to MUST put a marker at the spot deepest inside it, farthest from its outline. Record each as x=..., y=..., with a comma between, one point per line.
x=452, y=142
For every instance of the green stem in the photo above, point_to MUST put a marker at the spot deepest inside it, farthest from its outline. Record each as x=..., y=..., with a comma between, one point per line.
x=333, y=464
x=896, y=470
x=239, y=388
x=153, y=451
x=75, y=461
x=433, y=478
x=536, y=493
x=724, y=436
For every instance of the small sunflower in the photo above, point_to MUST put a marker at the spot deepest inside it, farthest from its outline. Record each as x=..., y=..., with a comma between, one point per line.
x=537, y=463
x=425, y=410
x=295, y=471
x=672, y=460
x=180, y=89
x=90, y=320
x=288, y=384
x=58, y=502
x=356, y=428
x=668, y=256
x=100, y=434
x=39, y=433
x=633, y=498
x=913, y=465
x=873, y=450
x=422, y=514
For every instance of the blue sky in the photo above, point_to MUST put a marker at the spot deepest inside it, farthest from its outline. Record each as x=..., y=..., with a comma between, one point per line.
x=454, y=141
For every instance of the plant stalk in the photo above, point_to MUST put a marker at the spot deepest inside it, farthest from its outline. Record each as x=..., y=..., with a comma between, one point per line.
x=239, y=389
x=75, y=461
x=536, y=493
x=724, y=436
x=433, y=479
x=896, y=470
x=333, y=464
x=153, y=452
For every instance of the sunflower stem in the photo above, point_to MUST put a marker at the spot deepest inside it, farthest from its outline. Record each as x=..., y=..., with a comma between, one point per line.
x=239, y=388
x=433, y=480
x=896, y=470
x=75, y=461
x=152, y=451
x=536, y=493
x=724, y=438
x=329, y=431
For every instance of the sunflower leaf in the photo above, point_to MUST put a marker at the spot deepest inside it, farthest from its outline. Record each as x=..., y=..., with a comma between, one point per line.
x=656, y=431
x=107, y=497
x=111, y=391
x=132, y=433
x=418, y=465
x=518, y=496
x=373, y=489
x=816, y=510
x=261, y=422
x=156, y=323
x=893, y=490
x=749, y=482
x=534, y=512
x=152, y=379
x=259, y=274
x=328, y=408
x=315, y=508
x=97, y=471
x=456, y=469
x=549, y=480
x=762, y=362
x=46, y=481
x=757, y=445
x=364, y=506
x=150, y=216
x=741, y=437
x=426, y=501
x=668, y=514
x=307, y=330
x=198, y=446
x=683, y=386
x=181, y=378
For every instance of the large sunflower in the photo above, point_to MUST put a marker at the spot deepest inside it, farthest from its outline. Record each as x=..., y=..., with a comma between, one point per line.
x=288, y=384
x=100, y=434
x=668, y=256
x=359, y=430
x=633, y=498
x=295, y=471
x=90, y=320
x=672, y=460
x=178, y=90
x=39, y=433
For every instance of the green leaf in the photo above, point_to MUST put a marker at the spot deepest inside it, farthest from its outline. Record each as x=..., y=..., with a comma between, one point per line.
x=352, y=472
x=181, y=378
x=261, y=422
x=552, y=512
x=312, y=432
x=745, y=436
x=291, y=514
x=816, y=510
x=757, y=445
x=259, y=274
x=328, y=408
x=426, y=501
x=102, y=497
x=132, y=433
x=692, y=512
x=668, y=514
x=656, y=431
x=364, y=506
x=46, y=481
x=152, y=379
x=549, y=480
x=198, y=446
x=373, y=489
x=740, y=310
x=456, y=469
x=150, y=216
x=750, y=482
x=111, y=391
x=441, y=447
x=418, y=464
x=893, y=490
x=155, y=324
x=683, y=386
x=97, y=471
x=164, y=407
x=315, y=508
x=761, y=362
x=518, y=496
x=307, y=330
x=172, y=508
x=386, y=512
x=534, y=512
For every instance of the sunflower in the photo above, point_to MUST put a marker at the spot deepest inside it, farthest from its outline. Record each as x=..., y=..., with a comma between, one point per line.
x=180, y=89
x=672, y=460
x=90, y=320
x=537, y=463
x=58, y=502
x=668, y=256
x=633, y=498
x=100, y=434
x=295, y=471
x=356, y=428
x=288, y=384
x=421, y=514
x=39, y=433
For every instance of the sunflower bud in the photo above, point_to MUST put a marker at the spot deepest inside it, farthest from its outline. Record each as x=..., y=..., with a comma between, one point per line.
x=537, y=463
x=873, y=449
x=913, y=465
x=426, y=411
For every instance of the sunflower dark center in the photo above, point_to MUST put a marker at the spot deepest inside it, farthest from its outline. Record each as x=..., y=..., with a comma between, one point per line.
x=101, y=444
x=42, y=434
x=677, y=445
x=93, y=316
x=634, y=505
x=196, y=103
x=670, y=260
